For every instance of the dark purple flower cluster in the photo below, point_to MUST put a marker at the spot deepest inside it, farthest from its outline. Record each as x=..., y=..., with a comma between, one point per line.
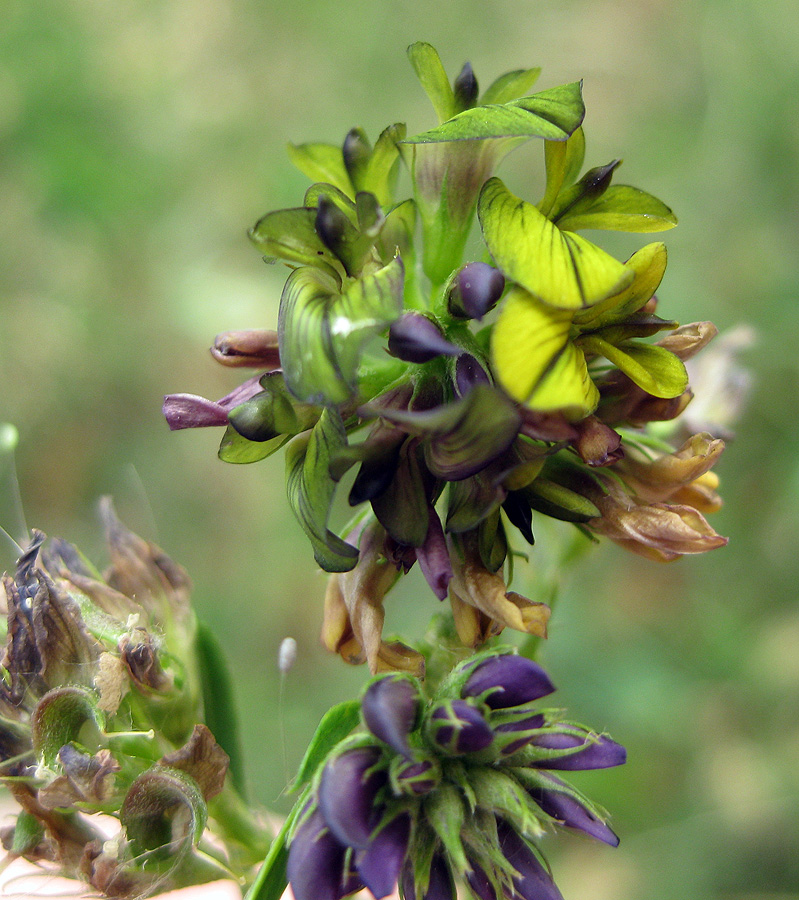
x=457, y=787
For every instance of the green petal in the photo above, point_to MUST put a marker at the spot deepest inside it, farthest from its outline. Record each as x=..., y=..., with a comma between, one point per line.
x=654, y=369
x=342, y=201
x=582, y=195
x=559, y=502
x=563, y=160
x=551, y=114
x=510, y=86
x=382, y=169
x=322, y=162
x=402, y=509
x=237, y=449
x=559, y=268
x=648, y=265
x=533, y=359
x=621, y=208
x=310, y=490
x=430, y=71
x=322, y=332
x=290, y=234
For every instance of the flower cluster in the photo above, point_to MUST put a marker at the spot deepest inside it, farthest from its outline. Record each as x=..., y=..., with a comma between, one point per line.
x=458, y=787
x=101, y=708
x=468, y=397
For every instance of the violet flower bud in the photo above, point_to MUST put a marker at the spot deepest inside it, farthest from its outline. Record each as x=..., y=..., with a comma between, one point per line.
x=316, y=865
x=433, y=557
x=512, y=736
x=596, y=751
x=507, y=680
x=468, y=374
x=416, y=778
x=390, y=708
x=440, y=886
x=458, y=727
x=480, y=884
x=380, y=864
x=534, y=882
x=475, y=290
x=559, y=803
x=347, y=794
x=415, y=338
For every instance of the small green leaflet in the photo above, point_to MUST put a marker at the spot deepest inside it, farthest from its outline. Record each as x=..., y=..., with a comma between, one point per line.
x=335, y=725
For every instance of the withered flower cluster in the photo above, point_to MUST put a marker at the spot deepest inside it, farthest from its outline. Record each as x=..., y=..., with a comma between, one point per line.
x=101, y=713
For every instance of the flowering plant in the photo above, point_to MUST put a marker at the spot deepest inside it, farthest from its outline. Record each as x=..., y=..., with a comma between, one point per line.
x=468, y=393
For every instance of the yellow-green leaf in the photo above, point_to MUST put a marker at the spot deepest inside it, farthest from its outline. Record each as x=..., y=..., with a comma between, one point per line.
x=558, y=268
x=430, y=71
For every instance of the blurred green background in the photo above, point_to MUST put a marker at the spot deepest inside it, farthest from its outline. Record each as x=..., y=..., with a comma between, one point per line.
x=140, y=138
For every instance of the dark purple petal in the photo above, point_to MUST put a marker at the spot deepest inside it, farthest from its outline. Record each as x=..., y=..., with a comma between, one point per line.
x=567, y=809
x=379, y=865
x=480, y=885
x=415, y=338
x=468, y=373
x=347, y=795
x=457, y=727
x=476, y=289
x=599, y=752
x=510, y=680
x=433, y=557
x=440, y=887
x=534, y=882
x=522, y=728
x=191, y=411
x=390, y=708
x=316, y=865
x=417, y=778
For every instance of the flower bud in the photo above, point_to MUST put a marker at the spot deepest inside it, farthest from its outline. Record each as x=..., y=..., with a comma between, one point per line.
x=559, y=801
x=507, y=680
x=475, y=290
x=533, y=881
x=512, y=736
x=416, y=338
x=380, y=863
x=465, y=88
x=390, y=709
x=347, y=794
x=415, y=778
x=468, y=374
x=256, y=349
x=458, y=727
x=316, y=865
x=563, y=750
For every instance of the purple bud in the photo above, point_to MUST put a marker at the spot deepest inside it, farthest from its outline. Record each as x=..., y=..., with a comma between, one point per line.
x=191, y=411
x=433, y=557
x=415, y=338
x=457, y=727
x=465, y=88
x=520, y=728
x=475, y=290
x=480, y=884
x=347, y=795
x=379, y=865
x=597, y=751
x=534, y=881
x=440, y=886
x=567, y=809
x=416, y=778
x=508, y=680
x=468, y=373
x=390, y=709
x=316, y=865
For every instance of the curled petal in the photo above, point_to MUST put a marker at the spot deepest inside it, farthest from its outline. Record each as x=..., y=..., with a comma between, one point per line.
x=659, y=479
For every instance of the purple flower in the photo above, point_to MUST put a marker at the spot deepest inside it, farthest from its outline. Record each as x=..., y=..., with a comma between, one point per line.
x=433, y=557
x=559, y=801
x=347, y=794
x=595, y=751
x=512, y=736
x=417, y=339
x=380, y=863
x=458, y=727
x=390, y=708
x=417, y=778
x=191, y=411
x=534, y=881
x=475, y=290
x=316, y=865
x=507, y=680
x=440, y=886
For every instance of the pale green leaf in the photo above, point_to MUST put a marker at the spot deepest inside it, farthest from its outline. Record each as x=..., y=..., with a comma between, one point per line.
x=654, y=369
x=322, y=162
x=510, y=86
x=429, y=70
x=310, y=490
x=335, y=725
x=621, y=208
x=558, y=268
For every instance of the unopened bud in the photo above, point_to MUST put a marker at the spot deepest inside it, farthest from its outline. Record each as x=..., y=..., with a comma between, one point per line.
x=474, y=290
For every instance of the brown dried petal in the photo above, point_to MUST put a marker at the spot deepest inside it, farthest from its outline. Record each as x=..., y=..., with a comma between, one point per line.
x=597, y=444
x=201, y=758
x=257, y=349
x=687, y=340
x=140, y=656
x=661, y=478
x=111, y=682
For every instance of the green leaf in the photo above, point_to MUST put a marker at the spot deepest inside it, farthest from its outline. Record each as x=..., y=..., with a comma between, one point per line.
x=563, y=160
x=654, y=369
x=534, y=360
x=558, y=268
x=335, y=725
x=322, y=162
x=510, y=86
x=551, y=114
x=272, y=878
x=321, y=332
x=310, y=490
x=28, y=832
x=429, y=70
x=621, y=208
x=237, y=449
x=290, y=234
x=218, y=702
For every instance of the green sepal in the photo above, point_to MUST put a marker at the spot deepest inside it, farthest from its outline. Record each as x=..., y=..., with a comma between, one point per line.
x=620, y=208
x=310, y=490
x=559, y=502
x=290, y=234
x=236, y=449
x=563, y=161
x=496, y=790
x=28, y=833
x=431, y=74
x=396, y=236
x=492, y=542
x=654, y=369
x=558, y=268
x=445, y=812
x=470, y=501
x=552, y=114
x=321, y=332
x=60, y=717
x=509, y=86
x=322, y=162
x=334, y=726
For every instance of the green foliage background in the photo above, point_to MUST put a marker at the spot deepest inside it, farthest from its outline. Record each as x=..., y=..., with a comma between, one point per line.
x=139, y=140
